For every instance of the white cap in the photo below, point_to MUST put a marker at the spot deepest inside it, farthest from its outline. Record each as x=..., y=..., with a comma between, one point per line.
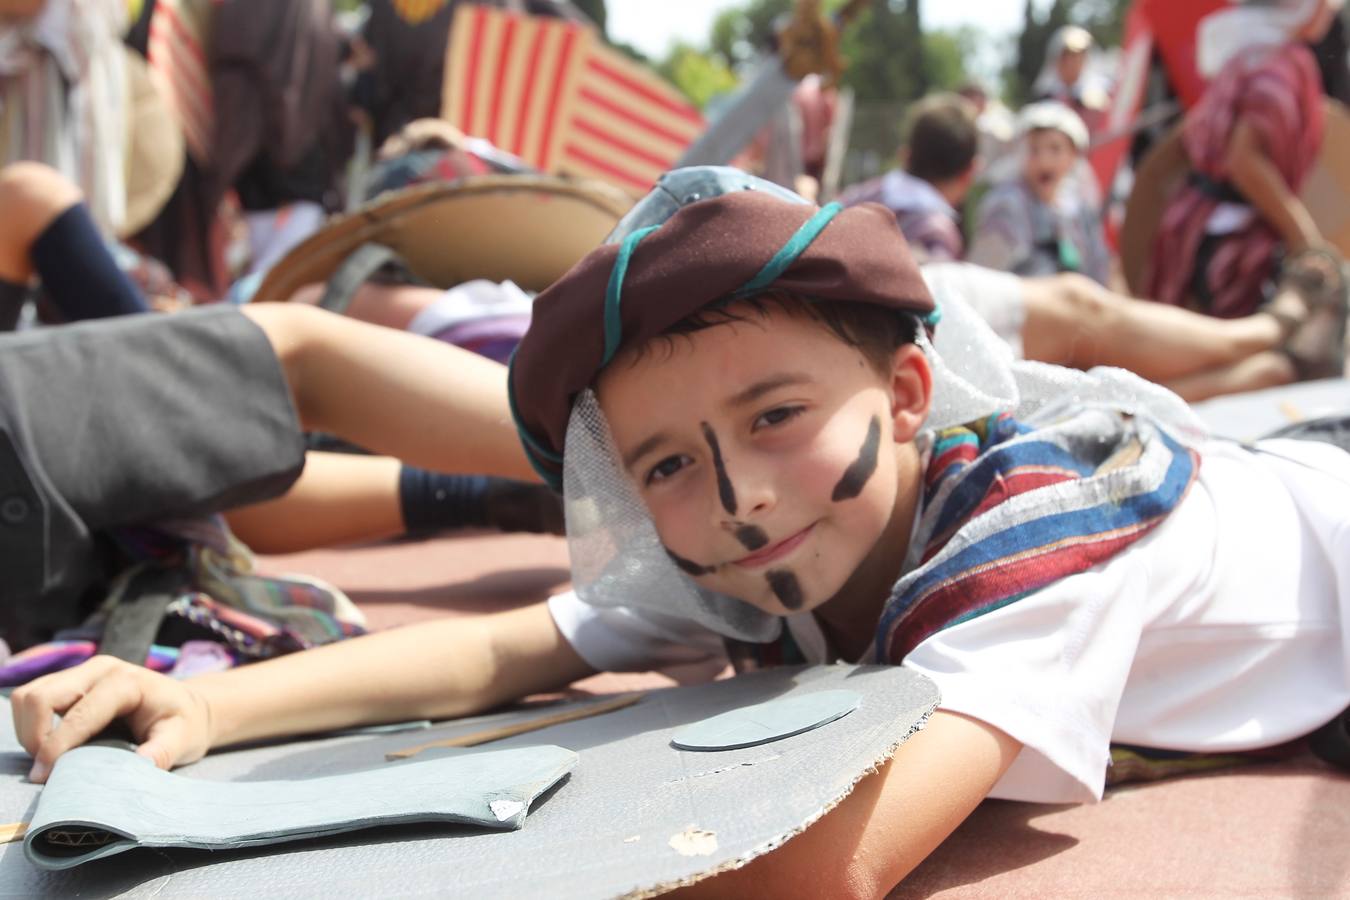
x=1073, y=39
x=1053, y=115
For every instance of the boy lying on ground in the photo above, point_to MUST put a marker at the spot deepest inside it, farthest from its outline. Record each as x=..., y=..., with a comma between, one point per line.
x=748, y=404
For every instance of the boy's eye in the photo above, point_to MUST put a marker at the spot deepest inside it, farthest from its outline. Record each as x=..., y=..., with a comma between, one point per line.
x=777, y=416
x=666, y=468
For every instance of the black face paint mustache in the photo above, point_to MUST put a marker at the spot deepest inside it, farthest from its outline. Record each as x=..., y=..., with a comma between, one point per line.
x=689, y=567
x=860, y=471
x=725, y=491
x=786, y=588
x=752, y=537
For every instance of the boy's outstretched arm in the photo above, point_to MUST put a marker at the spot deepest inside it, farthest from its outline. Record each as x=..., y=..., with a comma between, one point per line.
x=441, y=669
x=892, y=820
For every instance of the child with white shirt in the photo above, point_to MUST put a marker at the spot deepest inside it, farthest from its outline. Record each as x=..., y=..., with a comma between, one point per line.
x=763, y=450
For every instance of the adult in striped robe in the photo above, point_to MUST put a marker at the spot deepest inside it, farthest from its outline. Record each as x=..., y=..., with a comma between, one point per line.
x=1252, y=140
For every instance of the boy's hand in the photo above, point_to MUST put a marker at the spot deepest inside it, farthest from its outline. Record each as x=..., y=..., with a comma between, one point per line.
x=171, y=721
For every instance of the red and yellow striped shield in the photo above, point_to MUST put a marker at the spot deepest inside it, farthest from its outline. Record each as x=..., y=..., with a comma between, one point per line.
x=555, y=95
x=180, y=31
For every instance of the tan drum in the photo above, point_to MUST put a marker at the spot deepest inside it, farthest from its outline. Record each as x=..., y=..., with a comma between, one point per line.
x=526, y=228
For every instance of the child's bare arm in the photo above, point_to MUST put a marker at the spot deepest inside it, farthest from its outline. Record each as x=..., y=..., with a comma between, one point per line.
x=890, y=822
x=442, y=669
x=416, y=399
x=1261, y=183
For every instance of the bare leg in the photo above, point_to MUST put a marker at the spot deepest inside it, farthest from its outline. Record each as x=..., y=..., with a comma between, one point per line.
x=390, y=305
x=1074, y=321
x=32, y=197
x=339, y=499
x=413, y=398
x=1264, y=370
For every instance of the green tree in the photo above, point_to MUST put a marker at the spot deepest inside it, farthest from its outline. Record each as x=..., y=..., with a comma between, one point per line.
x=885, y=50
x=885, y=54
x=594, y=10
x=740, y=34
x=1105, y=19
x=945, y=54
x=700, y=76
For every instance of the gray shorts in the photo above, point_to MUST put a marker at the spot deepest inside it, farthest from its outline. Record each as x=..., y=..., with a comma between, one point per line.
x=126, y=421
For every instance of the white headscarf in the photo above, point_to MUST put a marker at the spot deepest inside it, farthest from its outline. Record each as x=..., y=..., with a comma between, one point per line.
x=1249, y=26
x=1070, y=38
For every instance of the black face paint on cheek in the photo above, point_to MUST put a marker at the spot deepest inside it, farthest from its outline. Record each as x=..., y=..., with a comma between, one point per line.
x=786, y=588
x=688, y=567
x=858, y=473
x=752, y=537
x=724, y=489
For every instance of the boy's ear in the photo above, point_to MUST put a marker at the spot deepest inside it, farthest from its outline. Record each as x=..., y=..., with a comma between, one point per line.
x=911, y=392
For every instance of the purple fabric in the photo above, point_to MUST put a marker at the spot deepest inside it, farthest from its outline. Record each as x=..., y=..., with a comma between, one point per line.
x=495, y=337
x=927, y=221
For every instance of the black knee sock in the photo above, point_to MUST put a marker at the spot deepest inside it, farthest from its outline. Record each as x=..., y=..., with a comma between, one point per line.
x=78, y=273
x=12, y=297
x=432, y=501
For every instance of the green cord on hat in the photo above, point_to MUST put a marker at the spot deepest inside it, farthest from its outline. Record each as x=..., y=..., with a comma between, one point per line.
x=789, y=252
x=614, y=291
x=534, y=451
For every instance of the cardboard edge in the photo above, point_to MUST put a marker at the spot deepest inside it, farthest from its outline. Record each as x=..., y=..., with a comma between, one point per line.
x=773, y=844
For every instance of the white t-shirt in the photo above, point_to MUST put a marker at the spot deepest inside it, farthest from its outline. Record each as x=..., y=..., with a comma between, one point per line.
x=1224, y=629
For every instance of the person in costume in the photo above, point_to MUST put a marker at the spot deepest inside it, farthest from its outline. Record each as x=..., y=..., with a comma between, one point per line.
x=1251, y=142
x=939, y=160
x=1065, y=76
x=767, y=455
x=1038, y=222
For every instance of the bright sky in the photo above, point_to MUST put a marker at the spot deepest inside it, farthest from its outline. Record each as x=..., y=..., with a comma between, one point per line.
x=652, y=25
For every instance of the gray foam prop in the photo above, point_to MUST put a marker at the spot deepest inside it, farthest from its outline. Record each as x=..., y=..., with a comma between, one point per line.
x=765, y=723
x=1255, y=414
x=138, y=805
x=635, y=817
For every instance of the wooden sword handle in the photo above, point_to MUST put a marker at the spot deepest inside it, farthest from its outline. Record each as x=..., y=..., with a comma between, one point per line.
x=475, y=738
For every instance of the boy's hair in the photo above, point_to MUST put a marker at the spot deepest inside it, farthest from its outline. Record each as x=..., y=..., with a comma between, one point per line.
x=942, y=137
x=874, y=331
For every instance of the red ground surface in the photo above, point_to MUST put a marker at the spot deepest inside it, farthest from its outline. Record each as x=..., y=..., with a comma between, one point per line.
x=1269, y=830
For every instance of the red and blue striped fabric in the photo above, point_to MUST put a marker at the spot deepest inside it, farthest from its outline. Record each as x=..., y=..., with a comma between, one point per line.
x=1009, y=510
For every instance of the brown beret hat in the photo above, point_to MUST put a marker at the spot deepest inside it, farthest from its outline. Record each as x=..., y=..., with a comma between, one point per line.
x=733, y=245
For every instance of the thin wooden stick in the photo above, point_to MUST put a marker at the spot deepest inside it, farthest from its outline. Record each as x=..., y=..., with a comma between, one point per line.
x=475, y=738
x=13, y=832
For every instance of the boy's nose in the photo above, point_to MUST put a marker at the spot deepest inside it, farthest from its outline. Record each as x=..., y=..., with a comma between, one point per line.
x=742, y=492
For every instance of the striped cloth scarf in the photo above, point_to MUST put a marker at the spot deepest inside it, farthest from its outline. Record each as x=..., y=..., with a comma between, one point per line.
x=1010, y=509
